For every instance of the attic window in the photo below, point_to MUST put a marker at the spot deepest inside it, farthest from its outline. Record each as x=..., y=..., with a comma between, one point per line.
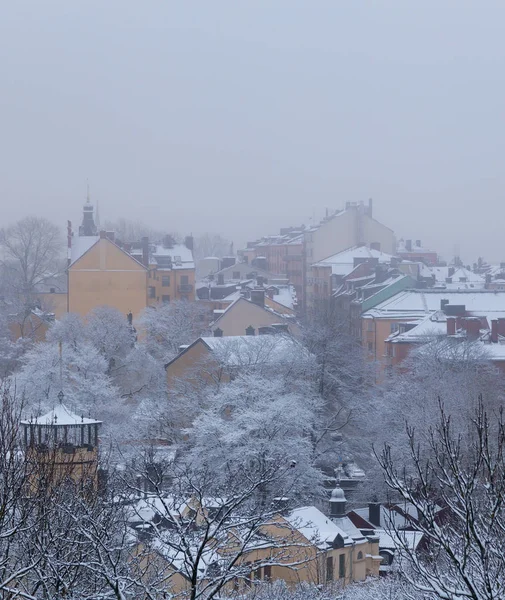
x=218, y=332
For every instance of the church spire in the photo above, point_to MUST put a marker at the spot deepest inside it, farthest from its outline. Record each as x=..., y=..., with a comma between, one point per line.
x=88, y=226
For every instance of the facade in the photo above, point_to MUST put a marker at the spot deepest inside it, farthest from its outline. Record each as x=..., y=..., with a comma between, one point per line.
x=412, y=306
x=171, y=269
x=351, y=227
x=106, y=275
x=360, y=263
x=297, y=546
x=280, y=254
x=217, y=359
x=416, y=252
x=251, y=317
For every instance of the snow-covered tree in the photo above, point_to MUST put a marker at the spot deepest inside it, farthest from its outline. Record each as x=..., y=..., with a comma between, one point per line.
x=80, y=373
x=253, y=422
x=169, y=326
x=109, y=331
x=461, y=471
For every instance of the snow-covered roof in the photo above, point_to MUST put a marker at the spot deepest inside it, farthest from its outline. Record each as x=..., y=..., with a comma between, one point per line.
x=247, y=349
x=396, y=540
x=412, y=304
x=343, y=262
x=80, y=245
x=61, y=415
x=441, y=274
x=316, y=527
x=179, y=256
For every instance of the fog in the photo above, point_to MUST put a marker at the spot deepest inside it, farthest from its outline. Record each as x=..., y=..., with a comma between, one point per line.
x=242, y=117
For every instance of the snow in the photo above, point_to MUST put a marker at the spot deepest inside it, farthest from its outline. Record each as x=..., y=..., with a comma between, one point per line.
x=80, y=245
x=418, y=303
x=343, y=262
x=61, y=415
x=242, y=349
x=316, y=526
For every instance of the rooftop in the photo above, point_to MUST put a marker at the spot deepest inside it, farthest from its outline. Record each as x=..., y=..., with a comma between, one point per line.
x=343, y=262
x=60, y=415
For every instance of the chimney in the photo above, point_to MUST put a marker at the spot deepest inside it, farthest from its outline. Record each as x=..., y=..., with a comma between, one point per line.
x=258, y=297
x=443, y=304
x=220, y=279
x=270, y=293
x=260, y=280
x=418, y=243
x=189, y=242
x=338, y=503
x=501, y=326
x=111, y=235
x=450, y=273
x=103, y=234
x=374, y=513
x=472, y=326
x=488, y=279
x=375, y=246
x=145, y=251
x=451, y=326
x=370, y=207
x=494, y=331
x=408, y=245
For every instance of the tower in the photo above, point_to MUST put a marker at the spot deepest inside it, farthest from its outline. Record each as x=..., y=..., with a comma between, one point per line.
x=338, y=503
x=88, y=226
x=61, y=446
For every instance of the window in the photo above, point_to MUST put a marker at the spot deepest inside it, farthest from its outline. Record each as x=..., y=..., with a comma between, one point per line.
x=165, y=298
x=165, y=280
x=250, y=330
x=329, y=568
x=236, y=274
x=394, y=327
x=184, y=280
x=370, y=347
x=341, y=566
x=152, y=292
x=360, y=555
x=218, y=332
x=267, y=572
x=369, y=325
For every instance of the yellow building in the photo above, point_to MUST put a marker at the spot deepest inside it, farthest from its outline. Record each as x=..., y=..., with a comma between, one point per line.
x=301, y=545
x=106, y=275
x=251, y=317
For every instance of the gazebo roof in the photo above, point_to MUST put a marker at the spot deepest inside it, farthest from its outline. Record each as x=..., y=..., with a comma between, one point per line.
x=60, y=415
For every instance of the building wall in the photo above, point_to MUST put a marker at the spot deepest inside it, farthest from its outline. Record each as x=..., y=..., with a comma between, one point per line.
x=374, y=335
x=107, y=276
x=377, y=232
x=244, y=313
x=178, y=288
x=194, y=366
x=53, y=303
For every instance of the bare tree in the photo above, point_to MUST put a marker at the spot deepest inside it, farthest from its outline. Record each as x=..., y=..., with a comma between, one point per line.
x=210, y=244
x=461, y=471
x=32, y=250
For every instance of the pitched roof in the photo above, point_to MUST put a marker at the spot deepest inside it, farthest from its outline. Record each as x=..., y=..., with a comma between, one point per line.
x=343, y=262
x=412, y=304
x=60, y=415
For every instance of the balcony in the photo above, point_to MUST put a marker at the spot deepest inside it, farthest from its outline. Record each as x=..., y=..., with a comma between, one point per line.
x=184, y=288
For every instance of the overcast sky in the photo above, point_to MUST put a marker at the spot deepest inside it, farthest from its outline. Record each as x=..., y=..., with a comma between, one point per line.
x=240, y=117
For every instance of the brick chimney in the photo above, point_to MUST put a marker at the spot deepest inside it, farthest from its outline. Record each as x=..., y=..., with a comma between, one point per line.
x=472, y=326
x=103, y=234
x=145, y=251
x=501, y=326
x=451, y=326
x=494, y=331
x=258, y=297
x=374, y=513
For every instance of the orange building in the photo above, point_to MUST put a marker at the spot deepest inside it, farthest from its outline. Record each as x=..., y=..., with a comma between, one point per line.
x=171, y=269
x=106, y=275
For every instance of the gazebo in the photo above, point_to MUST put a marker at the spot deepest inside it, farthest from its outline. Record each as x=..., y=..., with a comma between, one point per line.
x=62, y=445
